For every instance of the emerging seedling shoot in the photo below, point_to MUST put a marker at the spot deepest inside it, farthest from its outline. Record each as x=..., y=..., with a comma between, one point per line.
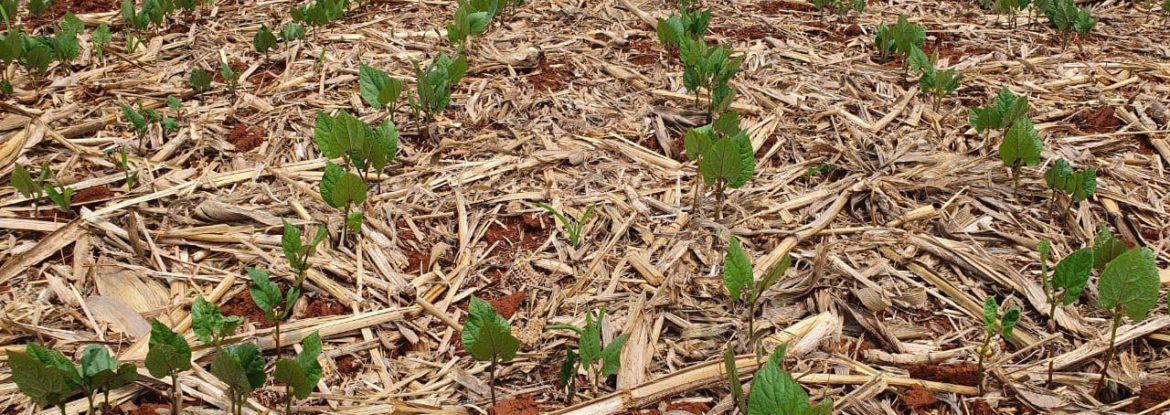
x=487, y=337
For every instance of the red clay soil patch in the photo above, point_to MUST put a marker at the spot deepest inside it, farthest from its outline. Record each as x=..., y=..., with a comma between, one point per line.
x=60, y=7
x=777, y=6
x=853, y=30
x=91, y=194
x=649, y=53
x=959, y=373
x=246, y=138
x=321, y=307
x=917, y=399
x=348, y=365
x=151, y=409
x=551, y=75
x=981, y=407
x=515, y=233
x=266, y=73
x=521, y=405
x=243, y=306
x=1150, y=396
x=1097, y=121
x=677, y=147
x=697, y=408
x=508, y=304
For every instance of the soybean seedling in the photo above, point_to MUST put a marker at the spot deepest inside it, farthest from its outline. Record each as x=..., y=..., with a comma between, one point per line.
x=46, y=376
x=1001, y=114
x=292, y=31
x=200, y=81
x=379, y=90
x=603, y=360
x=101, y=39
x=468, y=22
x=938, y=84
x=725, y=157
x=33, y=189
x=1011, y=8
x=1128, y=287
x=709, y=68
x=841, y=7
x=1067, y=282
x=433, y=91
x=772, y=389
x=572, y=226
x=1069, y=20
x=1021, y=146
x=61, y=195
x=994, y=324
x=275, y=305
x=487, y=336
x=101, y=372
x=300, y=374
x=899, y=38
x=1077, y=185
x=230, y=76
x=687, y=24
x=211, y=326
x=241, y=368
x=738, y=278
x=264, y=40
x=168, y=355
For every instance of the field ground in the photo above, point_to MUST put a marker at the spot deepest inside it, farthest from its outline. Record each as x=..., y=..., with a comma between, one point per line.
x=913, y=222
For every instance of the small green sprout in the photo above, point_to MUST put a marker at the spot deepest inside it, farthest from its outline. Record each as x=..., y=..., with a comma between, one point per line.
x=468, y=22
x=772, y=390
x=603, y=360
x=725, y=157
x=739, y=279
x=1021, y=146
x=709, y=68
x=1106, y=247
x=168, y=354
x=46, y=376
x=938, y=84
x=378, y=89
x=841, y=7
x=101, y=373
x=1001, y=114
x=994, y=324
x=209, y=325
x=300, y=374
x=899, y=38
x=433, y=91
x=230, y=76
x=101, y=38
x=1078, y=185
x=1011, y=8
x=687, y=24
x=572, y=226
x=241, y=368
x=1068, y=19
x=487, y=336
x=275, y=305
x=11, y=51
x=200, y=81
x=263, y=41
x=1128, y=287
x=292, y=31
x=26, y=185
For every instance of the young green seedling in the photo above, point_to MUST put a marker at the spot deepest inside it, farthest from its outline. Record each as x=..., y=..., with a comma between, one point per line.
x=11, y=50
x=1021, y=146
x=175, y=105
x=168, y=355
x=275, y=305
x=687, y=24
x=241, y=368
x=841, y=7
x=264, y=40
x=1106, y=247
x=709, y=68
x=343, y=190
x=433, y=91
x=487, y=336
x=46, y=376
x=211, y=326
x=300, y=374
x=773, y=391
x=995, y=324
x=200, y=81
x=899, y=38
x=292, y=31
x=230, y=76
x=379, y=90
x=468, y=22
x=725, y=157
x=1128, y=287
x=1078, y=185
x=101, y=38
x=1002, y=113
x=1011, y=8
x=101, y=373
x=138, y=122
x=739, y=280
x=938, y=84
x=572, y=226
x=365, y=148
x=1066, y=284
x=30, y=188
x=603, y=360
x=1069, y=20
x=61, y=195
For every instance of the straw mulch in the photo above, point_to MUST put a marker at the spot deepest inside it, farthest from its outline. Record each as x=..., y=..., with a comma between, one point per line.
x=913, y=223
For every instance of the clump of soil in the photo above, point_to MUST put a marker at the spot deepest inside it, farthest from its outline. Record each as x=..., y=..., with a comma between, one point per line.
x=917, y=399
x=1097, y=121
x=246, y=138
x=1150, y=396
x=266, y=73
x=777, y=6
x=697, y=408
x=91, y=194
x=515, y=233
x=244, y=307
x=348, y=365
x=508, y=304
x=677, y=147
x=551, y=75
x=520, y=405
x=981, y=407
x=321, y=307
x=151, y=409
x=965, y=373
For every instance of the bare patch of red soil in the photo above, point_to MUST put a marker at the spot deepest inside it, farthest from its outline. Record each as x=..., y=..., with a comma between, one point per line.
x=243, y=306
x=697, y=408
x=515, y=233
x=151, y=409
x=267, y=73
x=958, y=373
x=321, y=307
x=508, y=304
x=777, y=6
x=650, y=52
x=521, y=405
x=348, y=365
x=60, y=7
x=246, y=138
x=91, y=194
x=1150, y=396
x=551, y=75
x=677, y=147
x=1097, y=121
x=853, y=30
x=981, y=407
x=917, y=399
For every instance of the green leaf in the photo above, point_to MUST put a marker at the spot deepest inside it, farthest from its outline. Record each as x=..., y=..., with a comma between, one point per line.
x=1083, y=184
x=340, y=188
x=775, y=392
x=919, y=61
x=57, y=360
x=1072, y=273
x=771, y=277
x=303, y=372
x=371, y=82
x=292, y=31
x=825, y=407
x=200, y=80
x=1008, y=323
x=24, y=183
x=1058, y=175
x=44, y=384
x=568, y=368
x=697, y=141
x=264, y=39
x=265, y=294
x=487, y=335
x=1021, y=145
x=208, y=324
x=611, y=356
x=589, y=342
x=101, y=36
x=743, y=146
x=1131, y=283
x=990, y=313
x=168, y=352
x=95, y=359
x=240, y=367
x=353, y=222
x=737, y=270
x=1105, y=248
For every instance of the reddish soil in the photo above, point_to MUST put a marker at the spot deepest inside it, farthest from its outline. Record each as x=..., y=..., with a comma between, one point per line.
x=508, y=304
x=243, y=306
x=959, y=373
x=650, y=52
x=1150, y=396
x=246, y=138
x=91, y=194
x=1097, y=121
x=697, y=408
x=151, y=409
x=521, y=405
x=348, y=365
x=60, y=7
x=777, y=6
x=917, y=399
x=677, y=147
x=746, y=33
x=981, y=407
x=551, y=75
x=515, y=233
x=266, y=74
x=853, y=30
x=321, y=307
